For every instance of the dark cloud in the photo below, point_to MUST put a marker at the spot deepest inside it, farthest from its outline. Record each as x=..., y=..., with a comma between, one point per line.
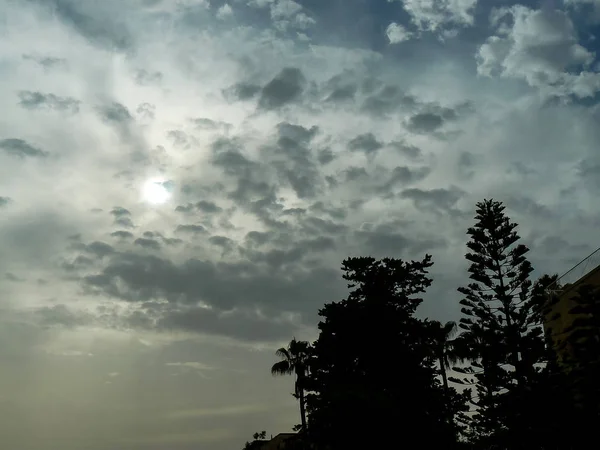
x=190, y=229
x=172, y=241
x=222, y=241
x=286, y=87
x=530, y=207
x=276, y=258
x=343, y=93
x=409, y=150
x=294, y=160
x=115, y=113
x=434, y=200
x=124, y=222
x=208, y=207
x=189, y=207
x=100, y=26
x=387, y=99
x=119, y=211
x=324, y=225
x=12, y=277
x=325, y=156
x=293, y=212
x=367, y=143
x=4, y=201
x=402, y=175
x=121, y=234
x=203, y=123
x=236, y=324
x=355, y=173
x=258, y=237
x=243, y=91
x=136, y=278
x=21, y=149
x=38, y=100
x=47, y=62
x=334, y=212
x=147, y=243
x=99, y=249
x=296, y=133
x=466, y=164
x=425, y=123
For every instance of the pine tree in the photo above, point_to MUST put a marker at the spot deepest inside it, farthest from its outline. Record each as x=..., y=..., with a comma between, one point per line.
x=500, y=322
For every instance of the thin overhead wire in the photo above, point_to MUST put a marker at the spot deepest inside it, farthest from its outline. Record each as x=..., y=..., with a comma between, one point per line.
x=584, y=262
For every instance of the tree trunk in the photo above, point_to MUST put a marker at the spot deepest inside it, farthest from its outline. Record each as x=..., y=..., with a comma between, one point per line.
x=302, y=409
x=300, y=395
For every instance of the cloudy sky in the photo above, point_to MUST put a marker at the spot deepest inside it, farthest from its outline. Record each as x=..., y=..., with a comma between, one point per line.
x=181, y=179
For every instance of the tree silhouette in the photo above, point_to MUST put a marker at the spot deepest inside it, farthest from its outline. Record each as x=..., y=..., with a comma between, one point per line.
x=260, y=435
x=259, y=440
x=373, y=368
x=447, y=352
x=294, y=360
x=501, y=323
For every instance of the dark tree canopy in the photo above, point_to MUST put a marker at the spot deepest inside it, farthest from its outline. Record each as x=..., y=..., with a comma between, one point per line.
x=373, y=370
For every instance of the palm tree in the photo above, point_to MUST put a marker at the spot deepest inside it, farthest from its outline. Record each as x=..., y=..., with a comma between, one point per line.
x=446, y=349
x=294, y=360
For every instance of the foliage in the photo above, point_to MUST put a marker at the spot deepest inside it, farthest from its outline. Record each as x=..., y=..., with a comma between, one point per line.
x=373, y=368
x=259, y=440
x=294, y=360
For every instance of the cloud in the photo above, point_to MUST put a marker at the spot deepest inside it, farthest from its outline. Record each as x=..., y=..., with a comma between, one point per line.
x=4, y=201
x=432, y=15
x=396, y=33
x=286, y=87
x=115, y=113
x=150, y=244
x=433, y=200
x=121, y=234
x=366, y=143
x=47, y=62
x=425, y=122
x=224, y=12
x=21, y=148
x=38, y=100
x=541, y=47
x=94, y=23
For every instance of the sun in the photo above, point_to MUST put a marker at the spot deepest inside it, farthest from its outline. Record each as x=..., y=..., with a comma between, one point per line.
x=156, y=191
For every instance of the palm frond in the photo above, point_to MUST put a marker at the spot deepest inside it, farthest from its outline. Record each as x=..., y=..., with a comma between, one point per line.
x=283, y=353
x=282, y=368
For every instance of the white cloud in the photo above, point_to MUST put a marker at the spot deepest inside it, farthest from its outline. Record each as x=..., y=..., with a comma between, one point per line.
x=224, y=12
x=431, y=15
x=539, y=46
x=284, y=9
x=397, y=33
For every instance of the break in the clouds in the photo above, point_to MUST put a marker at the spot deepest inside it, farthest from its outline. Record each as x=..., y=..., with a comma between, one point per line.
x=180, y=181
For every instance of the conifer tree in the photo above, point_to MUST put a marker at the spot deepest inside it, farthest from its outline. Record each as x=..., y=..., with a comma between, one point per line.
x=501, y=325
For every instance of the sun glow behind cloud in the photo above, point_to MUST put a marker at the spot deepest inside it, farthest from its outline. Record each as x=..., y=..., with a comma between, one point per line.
x=156, y=191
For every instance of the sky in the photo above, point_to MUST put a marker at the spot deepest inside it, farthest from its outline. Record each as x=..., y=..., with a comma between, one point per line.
x=180, y=181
